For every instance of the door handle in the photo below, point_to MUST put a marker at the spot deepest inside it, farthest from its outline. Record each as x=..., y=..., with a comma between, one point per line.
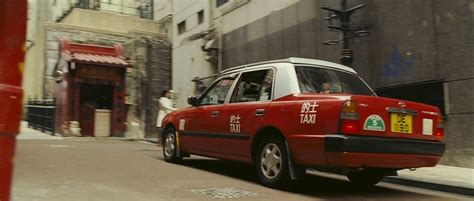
x=214, y=113
x=259, y=112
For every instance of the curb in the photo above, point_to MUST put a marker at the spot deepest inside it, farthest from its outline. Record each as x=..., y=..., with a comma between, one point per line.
x=154, y=141
x=432, y=186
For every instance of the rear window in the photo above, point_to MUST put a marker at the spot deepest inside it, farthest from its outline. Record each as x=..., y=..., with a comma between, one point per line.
x=325, y=81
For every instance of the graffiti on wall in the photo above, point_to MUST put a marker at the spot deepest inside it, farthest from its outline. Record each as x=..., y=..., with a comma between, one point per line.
x=399, y=64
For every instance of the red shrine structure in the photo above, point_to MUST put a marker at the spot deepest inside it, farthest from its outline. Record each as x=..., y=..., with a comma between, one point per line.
x=90, y=89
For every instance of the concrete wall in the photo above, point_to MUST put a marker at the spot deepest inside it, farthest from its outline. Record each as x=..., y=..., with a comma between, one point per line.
x=188, y=58
x=409, y=42
x=161, y=9
x=36, y=43
x=109, y=21
x=58, y=8
x=42, y=57
x=164, y=15
x=96, y=27
x=237, y=13
x=151, y=57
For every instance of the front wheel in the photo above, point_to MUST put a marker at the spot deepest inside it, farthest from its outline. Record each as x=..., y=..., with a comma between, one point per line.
x=170, y=146
x=365, y=178
x=272, y=163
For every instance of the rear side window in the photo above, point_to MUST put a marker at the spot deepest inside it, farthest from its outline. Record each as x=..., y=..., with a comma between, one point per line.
x=325, y=81
x=254, y=86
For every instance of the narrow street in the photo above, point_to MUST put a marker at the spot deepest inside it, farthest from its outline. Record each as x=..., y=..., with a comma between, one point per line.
x=91, y=169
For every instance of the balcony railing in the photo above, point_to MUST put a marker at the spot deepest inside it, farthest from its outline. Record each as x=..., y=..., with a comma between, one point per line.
x=139, y=8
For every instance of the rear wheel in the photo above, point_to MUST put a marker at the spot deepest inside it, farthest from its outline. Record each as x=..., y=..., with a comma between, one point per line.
x=170, y=146
x=365, y=178
x=272, y=163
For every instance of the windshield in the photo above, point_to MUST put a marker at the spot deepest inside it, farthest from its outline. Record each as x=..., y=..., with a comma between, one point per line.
x=325, y=81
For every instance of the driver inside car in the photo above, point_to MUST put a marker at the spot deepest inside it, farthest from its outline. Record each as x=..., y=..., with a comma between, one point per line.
x=326, y=88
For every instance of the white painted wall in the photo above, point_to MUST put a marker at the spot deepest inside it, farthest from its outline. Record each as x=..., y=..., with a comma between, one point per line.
x=188, y=58
x=36, y=43
x=32, y=19
x=58, y=7
x=162, y=8
x=109, y=21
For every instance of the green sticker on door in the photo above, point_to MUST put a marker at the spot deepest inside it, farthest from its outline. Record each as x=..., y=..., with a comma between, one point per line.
x=374, y=123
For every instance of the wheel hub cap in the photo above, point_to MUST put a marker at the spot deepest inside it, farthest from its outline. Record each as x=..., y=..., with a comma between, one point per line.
x=169, y=145
x=270, y=160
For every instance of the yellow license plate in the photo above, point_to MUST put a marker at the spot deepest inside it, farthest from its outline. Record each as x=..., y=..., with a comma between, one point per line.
x=401, y=123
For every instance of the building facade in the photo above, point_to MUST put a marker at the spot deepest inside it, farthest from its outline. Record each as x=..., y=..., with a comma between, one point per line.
x=148, y=51
x=416, y=50
x=188, y=24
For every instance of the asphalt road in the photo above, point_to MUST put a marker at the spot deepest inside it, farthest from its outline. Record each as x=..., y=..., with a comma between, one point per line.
x=90, y=169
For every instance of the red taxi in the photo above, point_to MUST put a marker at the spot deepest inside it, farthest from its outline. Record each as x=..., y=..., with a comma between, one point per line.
x=288, y=115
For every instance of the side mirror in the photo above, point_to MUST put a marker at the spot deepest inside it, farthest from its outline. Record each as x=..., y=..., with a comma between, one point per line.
x=193, y=100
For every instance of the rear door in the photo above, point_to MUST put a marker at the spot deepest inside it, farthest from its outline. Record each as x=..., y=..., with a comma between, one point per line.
x=251, y=97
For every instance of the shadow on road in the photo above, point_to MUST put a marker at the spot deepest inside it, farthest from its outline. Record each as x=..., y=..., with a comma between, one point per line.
x=317, y=186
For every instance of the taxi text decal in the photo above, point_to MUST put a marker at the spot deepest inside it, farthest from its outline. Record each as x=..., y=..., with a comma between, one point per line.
x=234, y=123
x=308, y=112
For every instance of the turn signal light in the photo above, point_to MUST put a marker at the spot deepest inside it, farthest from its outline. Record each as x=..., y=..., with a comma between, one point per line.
x=350, y=110
x=349, y=118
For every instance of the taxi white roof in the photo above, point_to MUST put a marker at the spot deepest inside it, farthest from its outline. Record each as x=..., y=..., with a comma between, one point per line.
x=296, y=60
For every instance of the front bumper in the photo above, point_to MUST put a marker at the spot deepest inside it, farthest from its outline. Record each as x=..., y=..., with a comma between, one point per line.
x=365, y=151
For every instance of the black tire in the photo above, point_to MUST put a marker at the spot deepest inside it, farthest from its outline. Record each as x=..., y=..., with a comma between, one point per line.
x=365, y=178
x=170, y=146
x=274, y=179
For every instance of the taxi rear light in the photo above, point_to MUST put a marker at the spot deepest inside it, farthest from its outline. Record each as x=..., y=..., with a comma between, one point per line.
x=440, y=128
x=439, y=132
x=350, y=126
x=349, y=118
x=440, y=122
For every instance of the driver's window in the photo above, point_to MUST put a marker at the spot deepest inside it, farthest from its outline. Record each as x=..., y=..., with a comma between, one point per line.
x=254, y=86
x=217, y=94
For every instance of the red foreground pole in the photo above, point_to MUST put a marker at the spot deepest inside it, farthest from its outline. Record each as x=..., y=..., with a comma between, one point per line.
x=12, y=50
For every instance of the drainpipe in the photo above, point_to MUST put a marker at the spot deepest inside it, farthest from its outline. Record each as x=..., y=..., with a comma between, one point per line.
x=148, y=90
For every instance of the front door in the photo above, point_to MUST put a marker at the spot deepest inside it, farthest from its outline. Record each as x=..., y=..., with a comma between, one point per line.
x=250, y=99
x=86, y=121
x=92, y=97
x=205, y=120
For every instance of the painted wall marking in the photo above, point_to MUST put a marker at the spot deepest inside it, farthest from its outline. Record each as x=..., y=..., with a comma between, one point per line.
x=398, y=64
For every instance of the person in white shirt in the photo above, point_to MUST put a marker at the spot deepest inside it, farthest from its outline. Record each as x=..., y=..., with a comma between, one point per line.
x=166, y=107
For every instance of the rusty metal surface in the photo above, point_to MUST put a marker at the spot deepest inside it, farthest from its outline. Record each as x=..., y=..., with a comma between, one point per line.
x=12, y=40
